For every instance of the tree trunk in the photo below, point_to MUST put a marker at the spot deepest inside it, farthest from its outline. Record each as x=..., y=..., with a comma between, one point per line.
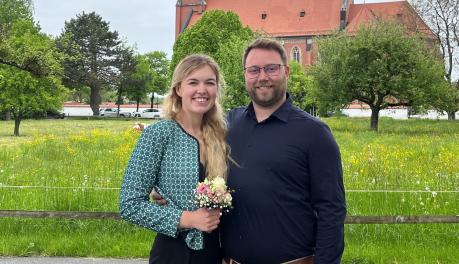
x=152, y=100
x=138, y=102
x=119, y=101
x=17, y=122
x=95, y=99
x=452, y=115
x=374, y=118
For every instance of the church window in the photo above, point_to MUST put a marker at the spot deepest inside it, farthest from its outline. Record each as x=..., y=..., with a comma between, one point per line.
x=296, y=56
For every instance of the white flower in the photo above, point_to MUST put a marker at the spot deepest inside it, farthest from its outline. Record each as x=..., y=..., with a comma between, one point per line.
x=434, y=194
x=228, y=198
x=219, y=184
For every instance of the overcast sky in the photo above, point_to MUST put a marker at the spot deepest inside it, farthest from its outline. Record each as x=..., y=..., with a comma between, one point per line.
x=149, y=24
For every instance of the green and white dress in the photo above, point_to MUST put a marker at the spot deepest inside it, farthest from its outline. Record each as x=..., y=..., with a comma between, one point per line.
x=166, y=158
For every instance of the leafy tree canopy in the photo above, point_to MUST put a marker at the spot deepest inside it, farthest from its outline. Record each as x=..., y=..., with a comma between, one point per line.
x=159, y=66
x=221, y=35
x=92, y=54
x=22, y=45
x=300, y=86
x=30, y=67
x=381, y=66
x=13, y=10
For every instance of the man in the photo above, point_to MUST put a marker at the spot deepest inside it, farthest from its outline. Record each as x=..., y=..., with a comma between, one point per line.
x=289, y=202
x=288, y=199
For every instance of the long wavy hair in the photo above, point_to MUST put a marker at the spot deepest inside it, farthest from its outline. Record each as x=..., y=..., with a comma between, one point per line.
x=214, y=127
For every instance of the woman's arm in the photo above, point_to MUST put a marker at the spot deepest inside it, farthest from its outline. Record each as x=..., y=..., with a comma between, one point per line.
x=139, y=179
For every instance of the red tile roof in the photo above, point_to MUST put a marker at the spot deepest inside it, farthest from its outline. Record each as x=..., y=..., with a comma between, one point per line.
x=282, y=16
x=321, y=16
x=399, y=11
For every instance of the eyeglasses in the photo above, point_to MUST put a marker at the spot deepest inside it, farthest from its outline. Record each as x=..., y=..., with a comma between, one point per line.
x=270, y=70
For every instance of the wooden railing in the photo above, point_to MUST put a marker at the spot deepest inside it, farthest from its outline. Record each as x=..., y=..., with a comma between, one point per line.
x=399, y=219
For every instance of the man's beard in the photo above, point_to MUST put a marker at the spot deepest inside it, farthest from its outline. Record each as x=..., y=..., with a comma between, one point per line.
x=278, y=92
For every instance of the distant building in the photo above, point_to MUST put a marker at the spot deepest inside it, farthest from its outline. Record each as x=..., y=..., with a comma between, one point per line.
x=297, y=22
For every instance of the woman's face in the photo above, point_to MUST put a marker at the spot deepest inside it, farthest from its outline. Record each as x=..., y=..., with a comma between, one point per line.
x=198, y=91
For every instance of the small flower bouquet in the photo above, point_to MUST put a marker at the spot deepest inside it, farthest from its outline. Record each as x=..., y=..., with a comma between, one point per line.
x=213, y=194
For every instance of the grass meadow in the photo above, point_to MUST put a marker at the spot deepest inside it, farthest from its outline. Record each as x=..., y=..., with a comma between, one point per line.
x=409, y=167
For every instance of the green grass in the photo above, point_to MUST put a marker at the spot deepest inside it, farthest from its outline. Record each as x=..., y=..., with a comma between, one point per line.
x=52, y=237
x=406, y=243
x=78, y=165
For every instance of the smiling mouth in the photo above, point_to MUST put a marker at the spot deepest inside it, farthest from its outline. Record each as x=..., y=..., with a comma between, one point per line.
x=201, y=99
x=263, y=86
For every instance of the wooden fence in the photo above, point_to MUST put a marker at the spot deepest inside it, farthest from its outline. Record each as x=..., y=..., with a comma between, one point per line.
x=399, y=219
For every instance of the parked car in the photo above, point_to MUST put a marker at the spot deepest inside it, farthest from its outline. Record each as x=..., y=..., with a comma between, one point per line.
x=150, y=113
x=48, y=114
x=113, y=112
x=54, y=114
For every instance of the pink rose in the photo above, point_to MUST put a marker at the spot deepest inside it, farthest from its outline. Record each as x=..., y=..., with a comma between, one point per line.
x=202, y=188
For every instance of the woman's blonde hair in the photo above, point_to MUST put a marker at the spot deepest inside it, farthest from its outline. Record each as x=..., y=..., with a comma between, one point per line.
x=213, y=124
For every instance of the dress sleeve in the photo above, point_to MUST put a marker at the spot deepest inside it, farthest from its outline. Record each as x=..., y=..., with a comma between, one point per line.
x=138, y=182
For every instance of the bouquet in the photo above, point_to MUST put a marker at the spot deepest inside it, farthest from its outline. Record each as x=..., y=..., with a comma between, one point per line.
x=213, y=194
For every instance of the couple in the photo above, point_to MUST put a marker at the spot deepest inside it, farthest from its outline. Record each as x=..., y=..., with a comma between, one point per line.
x=289, y=203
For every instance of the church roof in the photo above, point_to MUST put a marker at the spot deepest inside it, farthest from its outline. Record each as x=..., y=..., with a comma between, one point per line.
x=280, y=18
x=400, y=11
x=283, y=17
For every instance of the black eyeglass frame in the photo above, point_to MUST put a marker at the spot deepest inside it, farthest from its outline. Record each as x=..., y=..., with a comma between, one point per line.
x=264, y=69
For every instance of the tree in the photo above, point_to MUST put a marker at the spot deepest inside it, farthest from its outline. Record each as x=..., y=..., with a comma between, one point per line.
x=125, y=62
x=221, y=35
x=442, y=16
x=11, y=11
x=30, y=67
x=229, y=56
x=300, y=86
x=22, y=91
x=92, y=50
x=16, y=25
x=138, y=81
x=381, y=66
x=159, y=68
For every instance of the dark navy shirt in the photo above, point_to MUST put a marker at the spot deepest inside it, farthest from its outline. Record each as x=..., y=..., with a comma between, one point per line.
x=288, y=189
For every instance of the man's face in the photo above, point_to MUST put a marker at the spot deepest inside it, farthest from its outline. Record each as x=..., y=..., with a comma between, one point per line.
x=269, y=87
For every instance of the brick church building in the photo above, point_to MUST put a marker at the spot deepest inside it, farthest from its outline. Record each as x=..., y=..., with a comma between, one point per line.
x=297, y=22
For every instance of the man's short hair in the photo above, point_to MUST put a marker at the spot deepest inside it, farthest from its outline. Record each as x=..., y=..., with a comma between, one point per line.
x=266, y=44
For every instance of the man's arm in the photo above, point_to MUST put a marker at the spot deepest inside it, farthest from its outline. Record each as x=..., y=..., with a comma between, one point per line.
x=328, y=198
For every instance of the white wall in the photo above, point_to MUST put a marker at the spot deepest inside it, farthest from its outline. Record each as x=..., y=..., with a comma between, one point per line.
x=86, y=111
x=399, y=113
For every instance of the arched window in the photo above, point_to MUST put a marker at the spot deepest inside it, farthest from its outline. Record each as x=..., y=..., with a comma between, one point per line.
x=296, y=55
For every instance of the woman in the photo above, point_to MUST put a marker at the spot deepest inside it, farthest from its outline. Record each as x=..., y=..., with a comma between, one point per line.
x=171, y=157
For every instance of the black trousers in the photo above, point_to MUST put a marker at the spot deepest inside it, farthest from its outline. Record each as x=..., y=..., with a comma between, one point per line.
x=169, y=250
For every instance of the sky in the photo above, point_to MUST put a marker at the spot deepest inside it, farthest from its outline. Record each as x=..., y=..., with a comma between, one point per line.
x=148, y=24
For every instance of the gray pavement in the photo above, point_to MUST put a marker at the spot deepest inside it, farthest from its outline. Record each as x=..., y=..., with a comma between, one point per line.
x=68, y=260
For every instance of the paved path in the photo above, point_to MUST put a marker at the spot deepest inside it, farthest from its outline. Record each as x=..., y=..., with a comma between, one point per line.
x=66, y=260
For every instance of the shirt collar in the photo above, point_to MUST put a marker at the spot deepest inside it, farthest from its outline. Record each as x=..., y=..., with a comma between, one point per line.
x=281, y=113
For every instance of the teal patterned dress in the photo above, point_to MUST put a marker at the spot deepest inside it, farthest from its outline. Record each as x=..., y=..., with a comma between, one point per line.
x=166, y=159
